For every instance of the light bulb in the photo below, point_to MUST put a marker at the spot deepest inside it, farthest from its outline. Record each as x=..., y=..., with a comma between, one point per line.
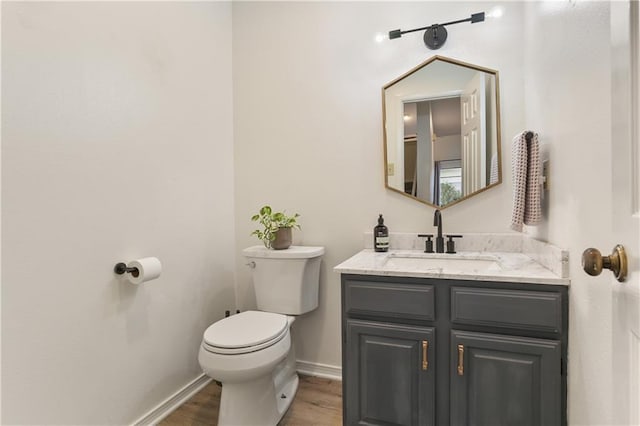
x=496, y=12
x=380, y=37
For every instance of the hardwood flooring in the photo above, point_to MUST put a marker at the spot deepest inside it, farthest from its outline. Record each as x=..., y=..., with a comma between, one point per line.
x=318, y=402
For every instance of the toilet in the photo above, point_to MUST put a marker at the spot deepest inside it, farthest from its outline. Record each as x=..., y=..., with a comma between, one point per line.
x=251, y=353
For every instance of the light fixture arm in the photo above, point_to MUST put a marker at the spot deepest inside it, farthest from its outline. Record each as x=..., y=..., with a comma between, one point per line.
x=435, y=38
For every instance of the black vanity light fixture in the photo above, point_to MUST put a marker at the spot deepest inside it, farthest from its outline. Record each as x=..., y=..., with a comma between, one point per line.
x=435, y=35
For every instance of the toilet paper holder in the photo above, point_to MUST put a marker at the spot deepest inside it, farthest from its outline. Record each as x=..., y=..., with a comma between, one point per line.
x=122, y=268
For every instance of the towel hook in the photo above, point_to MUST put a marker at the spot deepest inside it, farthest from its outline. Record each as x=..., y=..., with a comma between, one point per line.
x=122, y=268
x=528, y=136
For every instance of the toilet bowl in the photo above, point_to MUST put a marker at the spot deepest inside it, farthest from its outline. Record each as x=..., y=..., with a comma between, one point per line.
x=255, y=365
x=245, y=346
x=251, y=353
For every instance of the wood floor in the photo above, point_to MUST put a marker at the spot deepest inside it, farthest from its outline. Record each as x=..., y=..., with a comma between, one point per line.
x=317, y=402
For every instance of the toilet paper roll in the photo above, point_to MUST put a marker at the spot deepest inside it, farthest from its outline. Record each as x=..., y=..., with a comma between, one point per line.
x=149, y=268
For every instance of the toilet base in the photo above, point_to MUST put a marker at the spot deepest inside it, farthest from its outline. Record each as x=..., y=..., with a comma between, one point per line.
x=262, y=401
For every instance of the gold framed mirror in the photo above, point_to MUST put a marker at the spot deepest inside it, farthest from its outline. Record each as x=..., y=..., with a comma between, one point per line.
x=441, y=125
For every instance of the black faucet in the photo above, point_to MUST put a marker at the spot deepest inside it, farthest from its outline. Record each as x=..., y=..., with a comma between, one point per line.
x=437, y=221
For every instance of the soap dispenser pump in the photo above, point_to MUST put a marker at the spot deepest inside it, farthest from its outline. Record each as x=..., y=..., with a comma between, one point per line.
x=380, y=236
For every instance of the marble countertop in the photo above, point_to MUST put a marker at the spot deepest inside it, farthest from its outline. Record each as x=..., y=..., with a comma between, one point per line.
x=467, y=265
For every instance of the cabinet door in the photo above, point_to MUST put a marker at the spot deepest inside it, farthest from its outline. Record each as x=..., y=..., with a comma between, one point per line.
x=504, y=380
x=389, y=374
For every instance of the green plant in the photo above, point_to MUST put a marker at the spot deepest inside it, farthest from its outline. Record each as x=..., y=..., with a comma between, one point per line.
x=271, y=222
x=448, y=193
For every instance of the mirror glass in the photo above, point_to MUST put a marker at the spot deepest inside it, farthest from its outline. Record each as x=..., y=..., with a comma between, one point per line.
x=442, y=131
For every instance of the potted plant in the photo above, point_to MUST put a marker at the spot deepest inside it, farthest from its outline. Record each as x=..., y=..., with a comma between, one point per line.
x=277, y=226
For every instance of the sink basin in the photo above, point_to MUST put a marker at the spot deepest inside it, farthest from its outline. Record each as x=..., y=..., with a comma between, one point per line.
x=442, y=263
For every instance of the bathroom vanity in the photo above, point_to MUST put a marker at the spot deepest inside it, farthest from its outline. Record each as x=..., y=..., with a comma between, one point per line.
x=473, y=338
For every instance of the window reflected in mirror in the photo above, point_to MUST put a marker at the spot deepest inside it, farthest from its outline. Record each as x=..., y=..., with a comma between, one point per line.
x=442, y=131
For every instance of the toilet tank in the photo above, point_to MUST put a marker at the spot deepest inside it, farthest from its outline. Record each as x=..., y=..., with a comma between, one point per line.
x=285, y=281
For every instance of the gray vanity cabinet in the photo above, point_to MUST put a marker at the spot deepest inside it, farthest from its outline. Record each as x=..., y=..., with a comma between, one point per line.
x=424, y=351
x=390, y=365
x=393, y=383
x=505, y=380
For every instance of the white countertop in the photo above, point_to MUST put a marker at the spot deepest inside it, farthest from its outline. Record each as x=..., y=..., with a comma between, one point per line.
x=477, y=266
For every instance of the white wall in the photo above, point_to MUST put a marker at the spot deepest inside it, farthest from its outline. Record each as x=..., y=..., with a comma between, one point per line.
x=568, y=101
x=308, y=134
x=116, y=144
x=448, y=148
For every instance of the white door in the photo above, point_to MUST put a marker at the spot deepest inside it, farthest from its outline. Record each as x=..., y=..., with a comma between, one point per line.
x=474, y=150
x=625, y=198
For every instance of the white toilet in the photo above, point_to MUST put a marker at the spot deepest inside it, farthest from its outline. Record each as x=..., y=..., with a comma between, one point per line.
x=251, y=353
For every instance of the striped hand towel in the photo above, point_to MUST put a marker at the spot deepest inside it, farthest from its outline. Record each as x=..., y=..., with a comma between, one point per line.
x=493, y=172
x=525, y=166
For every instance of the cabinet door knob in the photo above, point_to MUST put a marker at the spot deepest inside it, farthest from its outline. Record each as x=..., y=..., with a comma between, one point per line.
x=460, y=360
x=593, y=262
x=425, y=361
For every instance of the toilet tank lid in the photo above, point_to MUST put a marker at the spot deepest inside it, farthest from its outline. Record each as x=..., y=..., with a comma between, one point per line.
x=293, y=252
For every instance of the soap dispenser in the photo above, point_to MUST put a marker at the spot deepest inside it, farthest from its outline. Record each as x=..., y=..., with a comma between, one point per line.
x=380, y=236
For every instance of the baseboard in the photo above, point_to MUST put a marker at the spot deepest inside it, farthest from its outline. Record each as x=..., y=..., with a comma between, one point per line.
x=319, y=370
x=162, y=410
x=170, y=404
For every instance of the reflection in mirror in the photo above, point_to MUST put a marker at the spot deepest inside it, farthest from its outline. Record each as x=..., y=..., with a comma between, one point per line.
x=442, y=131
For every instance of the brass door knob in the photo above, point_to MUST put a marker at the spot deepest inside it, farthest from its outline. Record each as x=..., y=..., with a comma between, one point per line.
x=593, y=262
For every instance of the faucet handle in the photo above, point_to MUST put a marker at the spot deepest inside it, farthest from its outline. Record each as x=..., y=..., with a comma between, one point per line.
x=451, y=245
x=428, y=244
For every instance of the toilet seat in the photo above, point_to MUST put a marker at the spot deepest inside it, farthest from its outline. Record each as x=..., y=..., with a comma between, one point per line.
x=246, y=332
